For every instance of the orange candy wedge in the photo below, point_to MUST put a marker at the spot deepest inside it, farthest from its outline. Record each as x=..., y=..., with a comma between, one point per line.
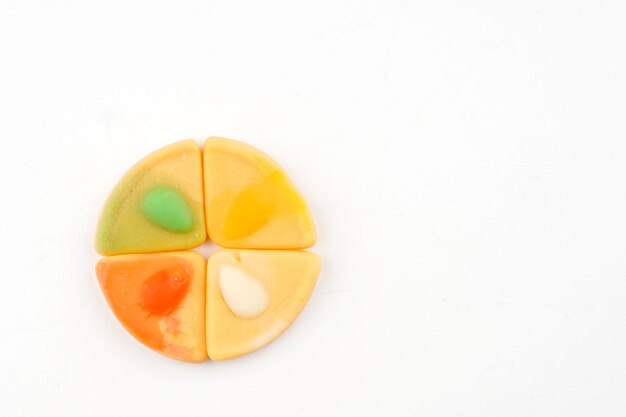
x=160, y=299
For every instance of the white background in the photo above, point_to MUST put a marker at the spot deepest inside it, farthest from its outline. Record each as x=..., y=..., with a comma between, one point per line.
x=464, y=161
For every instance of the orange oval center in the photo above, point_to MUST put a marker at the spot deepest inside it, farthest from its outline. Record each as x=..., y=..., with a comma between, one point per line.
x=163, y=291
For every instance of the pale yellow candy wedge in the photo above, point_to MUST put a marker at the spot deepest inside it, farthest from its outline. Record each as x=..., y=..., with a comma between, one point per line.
x=253, y=296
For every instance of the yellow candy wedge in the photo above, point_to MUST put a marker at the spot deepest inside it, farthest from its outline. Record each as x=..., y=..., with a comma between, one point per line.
x=253, y=296
x=157, y=205
x=250, y=201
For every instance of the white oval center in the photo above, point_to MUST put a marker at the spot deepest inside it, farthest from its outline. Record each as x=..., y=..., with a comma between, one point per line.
x=244, y=295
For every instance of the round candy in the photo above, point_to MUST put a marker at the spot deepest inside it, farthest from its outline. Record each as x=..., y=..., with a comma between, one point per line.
x=243, y=297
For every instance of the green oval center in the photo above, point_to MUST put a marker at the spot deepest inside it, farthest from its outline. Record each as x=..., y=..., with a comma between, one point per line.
x=166, y=207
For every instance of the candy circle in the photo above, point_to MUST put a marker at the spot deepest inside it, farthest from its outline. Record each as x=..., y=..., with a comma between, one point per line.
x=173, y=300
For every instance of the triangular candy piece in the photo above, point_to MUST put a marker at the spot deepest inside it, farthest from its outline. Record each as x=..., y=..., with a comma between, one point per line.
x=250, y=202
x=160, y=299
x=253, y=296
x=157, y=205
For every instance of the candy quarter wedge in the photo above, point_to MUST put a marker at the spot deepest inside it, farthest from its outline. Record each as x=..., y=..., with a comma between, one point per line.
x=253, y=296
x=250, y=201
x=157, y=205
x=160, y=299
